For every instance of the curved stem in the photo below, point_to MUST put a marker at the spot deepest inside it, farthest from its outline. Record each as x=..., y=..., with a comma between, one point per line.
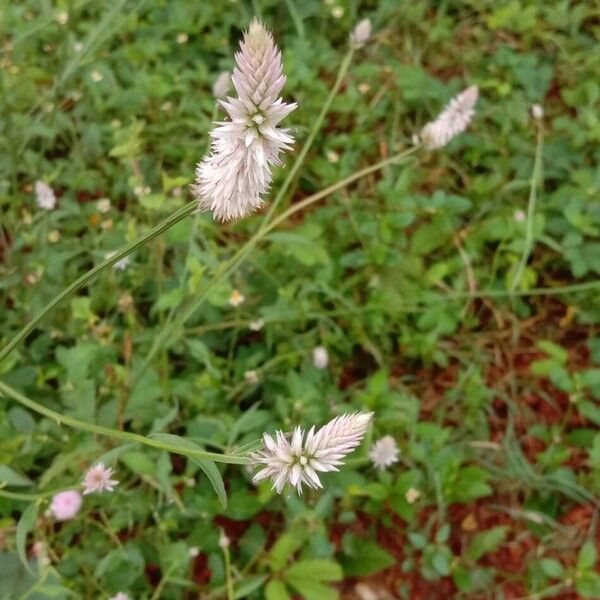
x=116, y=433
x=177, y=216
x=344, y=66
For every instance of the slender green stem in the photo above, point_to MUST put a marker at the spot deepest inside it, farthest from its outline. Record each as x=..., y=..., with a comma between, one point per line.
x=116, y=433
x=296, y=18
x=177, y=216
x=227, y=557
x=29, y=497
x=344, y=66
x=533, y=189
x=164, y=338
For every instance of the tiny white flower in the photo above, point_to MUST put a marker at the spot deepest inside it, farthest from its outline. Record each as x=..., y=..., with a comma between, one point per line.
x=224, y=541
x=62, y=17
x=320, y=357
x=361, y=34
x=44, y=195
x=166, y=106
x=98, y=479
x=333, y=157
x=232, y=179
x=182, y=38
x=222, y=85
x=193, y=551
x=78, y=47
x=412, y=495
x=236, y=298
x=296, y=459
x=256, y=325
x=65, y=505
x=415, y=139
x=337, y=12
x=251, y=377
x=121, y=264
x=454, y=119
x=537, y=111
x=103, y=205
x=384, y=452
x=54, y=236
x=519, y=216
x=189, y=481
x=96, y=76
x=364, y=88
x=120, y=596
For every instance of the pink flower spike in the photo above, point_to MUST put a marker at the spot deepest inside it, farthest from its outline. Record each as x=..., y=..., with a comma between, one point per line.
x=98, y=479
x=65, y=505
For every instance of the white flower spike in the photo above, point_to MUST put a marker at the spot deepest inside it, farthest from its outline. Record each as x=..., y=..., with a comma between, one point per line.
x=298, y=460
x=233, y=177
x=320, y=357
x=98, y=479
x=44, y=195
x=384, y=452
x=454, y=119
x=361, y=34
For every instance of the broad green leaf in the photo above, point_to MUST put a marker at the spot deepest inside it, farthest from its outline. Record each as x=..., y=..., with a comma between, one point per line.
x=139, y=463
x=552, y=568
x=587, y=556
x=276, y=590
x=486, y=541
x=320, y=569
x=285, y=546
x=367, y=558
x=470, y=484
x=554, y=350
x=588, y=585
x=312, y=589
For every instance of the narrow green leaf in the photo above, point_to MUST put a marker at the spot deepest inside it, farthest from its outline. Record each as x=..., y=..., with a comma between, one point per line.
x=249, y=585
x=208, y=466
x=285, y=546
x=10, y=477
x=25, y=525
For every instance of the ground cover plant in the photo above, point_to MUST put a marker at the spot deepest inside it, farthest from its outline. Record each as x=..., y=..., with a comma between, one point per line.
x=426, y=301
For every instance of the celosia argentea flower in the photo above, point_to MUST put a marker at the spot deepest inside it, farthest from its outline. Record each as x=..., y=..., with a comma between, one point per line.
x=384, y=452
x=299, y=459
x=454, y=119
x=232, y=178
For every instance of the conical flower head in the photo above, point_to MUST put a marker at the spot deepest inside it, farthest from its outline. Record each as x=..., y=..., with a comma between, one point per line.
x=384, y=452
x=297, y=459
x=232, y=179
x=454, y=119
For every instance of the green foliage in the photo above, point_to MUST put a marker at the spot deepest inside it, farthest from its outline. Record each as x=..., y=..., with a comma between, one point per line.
x=404, y=276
